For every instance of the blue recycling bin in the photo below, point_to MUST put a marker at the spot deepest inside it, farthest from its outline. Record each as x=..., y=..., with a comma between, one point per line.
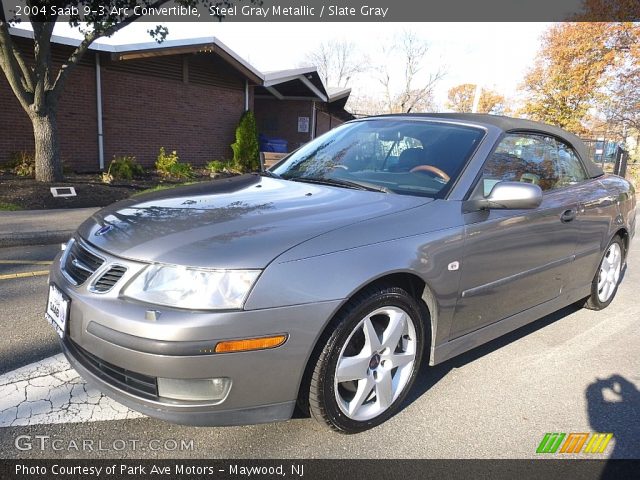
x=275, y=145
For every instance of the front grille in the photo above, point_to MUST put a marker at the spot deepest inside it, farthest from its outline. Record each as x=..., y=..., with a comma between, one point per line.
x=108, y=279
x=81, y=263
x=131, y=382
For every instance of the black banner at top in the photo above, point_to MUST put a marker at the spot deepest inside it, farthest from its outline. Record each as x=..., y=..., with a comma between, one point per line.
x=324, y=11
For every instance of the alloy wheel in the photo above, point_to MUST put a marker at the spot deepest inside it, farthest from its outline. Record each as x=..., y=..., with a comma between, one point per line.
x=375, y=363
x=609, y=274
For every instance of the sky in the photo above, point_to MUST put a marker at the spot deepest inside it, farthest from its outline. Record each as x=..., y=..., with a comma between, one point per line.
x=497, y=55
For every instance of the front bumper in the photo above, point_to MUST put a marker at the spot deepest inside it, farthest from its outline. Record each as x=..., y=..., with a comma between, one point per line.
x=106, y=329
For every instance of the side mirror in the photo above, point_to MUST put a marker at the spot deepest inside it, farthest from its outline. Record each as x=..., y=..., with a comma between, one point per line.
x=508, y=196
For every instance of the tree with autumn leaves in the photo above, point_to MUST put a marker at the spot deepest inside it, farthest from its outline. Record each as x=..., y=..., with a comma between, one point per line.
x=582, y=69
x=460, y=99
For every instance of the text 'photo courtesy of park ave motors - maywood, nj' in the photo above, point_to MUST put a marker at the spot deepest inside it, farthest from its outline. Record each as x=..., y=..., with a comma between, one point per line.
x=266, y=239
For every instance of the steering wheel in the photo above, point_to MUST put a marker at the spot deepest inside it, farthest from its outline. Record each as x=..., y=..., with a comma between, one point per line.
x=430, y=169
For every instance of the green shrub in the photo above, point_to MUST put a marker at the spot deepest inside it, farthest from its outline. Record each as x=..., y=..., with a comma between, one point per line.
x=168, y=165
x=23, y=164
x=216, y=166
x=122, y=168
x=165, y=162
x=13, y=160
x=246, y=149
x=182, y=170
x=9, y=207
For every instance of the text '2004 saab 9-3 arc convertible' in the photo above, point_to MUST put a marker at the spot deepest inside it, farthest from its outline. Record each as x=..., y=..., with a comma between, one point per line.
x=387, y=244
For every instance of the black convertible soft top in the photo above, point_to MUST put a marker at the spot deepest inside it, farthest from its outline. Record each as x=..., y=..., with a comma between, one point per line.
x=509, y=124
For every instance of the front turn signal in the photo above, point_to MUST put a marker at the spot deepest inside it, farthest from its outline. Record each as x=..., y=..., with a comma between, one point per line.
x=247, y=344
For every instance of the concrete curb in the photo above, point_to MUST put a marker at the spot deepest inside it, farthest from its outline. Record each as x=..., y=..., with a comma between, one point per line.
x=35, y=238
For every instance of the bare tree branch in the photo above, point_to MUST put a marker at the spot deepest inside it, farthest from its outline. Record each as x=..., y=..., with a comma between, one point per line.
x=42, y=49
x=337, y=62
x=27, y=73
x=413, y=94
x=11, y=68
x=28, y=77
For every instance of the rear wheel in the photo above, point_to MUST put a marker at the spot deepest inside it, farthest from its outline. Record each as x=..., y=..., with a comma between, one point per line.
x=369, y=362
x=607, y=278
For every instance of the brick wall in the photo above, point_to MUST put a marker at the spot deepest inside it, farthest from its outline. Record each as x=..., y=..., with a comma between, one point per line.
x=326, y=122
x=77, y=119
x=15, y=128
x=145, y=112
x=146, y=105
x=191, y=104
x=279, y=118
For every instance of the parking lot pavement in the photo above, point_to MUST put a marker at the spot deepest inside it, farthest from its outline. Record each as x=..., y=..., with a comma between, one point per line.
x=24, y=336
x=33, y=227
x=573, y=371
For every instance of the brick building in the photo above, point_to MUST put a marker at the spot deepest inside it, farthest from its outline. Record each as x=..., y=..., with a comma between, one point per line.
x=182, y=95
x=296, y=106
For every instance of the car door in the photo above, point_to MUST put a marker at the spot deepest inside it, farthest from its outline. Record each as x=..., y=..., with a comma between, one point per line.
x=597, y=211
x=516, y=259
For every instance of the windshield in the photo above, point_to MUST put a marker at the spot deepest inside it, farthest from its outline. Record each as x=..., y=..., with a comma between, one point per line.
x=409, y=157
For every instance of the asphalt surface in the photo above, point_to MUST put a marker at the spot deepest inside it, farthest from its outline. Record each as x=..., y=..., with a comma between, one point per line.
x=573, y=371
x=34, y=227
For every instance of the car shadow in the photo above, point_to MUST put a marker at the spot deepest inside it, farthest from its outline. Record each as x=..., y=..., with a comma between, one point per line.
x=12, y=360
x=428, y=377
x=613, y=406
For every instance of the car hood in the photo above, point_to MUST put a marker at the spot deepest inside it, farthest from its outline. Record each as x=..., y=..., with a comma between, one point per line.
x=242, y=222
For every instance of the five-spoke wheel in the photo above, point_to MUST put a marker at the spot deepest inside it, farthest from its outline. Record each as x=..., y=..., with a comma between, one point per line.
x=370, y=360
x=607, y=278
x=375, y=363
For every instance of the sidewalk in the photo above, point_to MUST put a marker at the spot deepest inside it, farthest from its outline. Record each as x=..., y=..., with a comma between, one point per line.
x=39, y=227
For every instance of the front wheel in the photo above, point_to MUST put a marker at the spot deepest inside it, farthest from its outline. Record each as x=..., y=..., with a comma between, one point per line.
x=369, y=362
x=605, y=283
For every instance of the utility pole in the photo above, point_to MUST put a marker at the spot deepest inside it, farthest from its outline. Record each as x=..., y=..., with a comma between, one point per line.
x=476, y=98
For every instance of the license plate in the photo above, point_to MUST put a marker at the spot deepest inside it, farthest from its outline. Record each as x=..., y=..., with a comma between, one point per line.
x=57, y=310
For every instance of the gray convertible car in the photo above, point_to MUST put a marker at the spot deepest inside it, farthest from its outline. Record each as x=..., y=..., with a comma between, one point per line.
x=385, y=245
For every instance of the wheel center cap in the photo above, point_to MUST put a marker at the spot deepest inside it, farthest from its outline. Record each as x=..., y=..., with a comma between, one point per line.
x=374, y=362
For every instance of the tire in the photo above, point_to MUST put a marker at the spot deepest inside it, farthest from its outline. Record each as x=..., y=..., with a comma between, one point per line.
x=607, y=278
x=369, y=360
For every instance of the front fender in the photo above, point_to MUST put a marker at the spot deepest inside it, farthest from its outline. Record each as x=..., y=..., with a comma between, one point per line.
x=339, y=275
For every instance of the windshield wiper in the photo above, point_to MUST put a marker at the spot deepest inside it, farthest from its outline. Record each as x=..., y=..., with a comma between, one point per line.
x=338, y=182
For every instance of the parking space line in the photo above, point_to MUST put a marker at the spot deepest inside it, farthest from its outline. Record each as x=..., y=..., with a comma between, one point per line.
x=50, y=391
x=11, y=276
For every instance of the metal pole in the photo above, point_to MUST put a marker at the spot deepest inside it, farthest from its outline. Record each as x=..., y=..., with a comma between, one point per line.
x=623, y=163
x=616, y=168
x=99, y=112
x=476, y=99
x=246, y=95
x=313, y=120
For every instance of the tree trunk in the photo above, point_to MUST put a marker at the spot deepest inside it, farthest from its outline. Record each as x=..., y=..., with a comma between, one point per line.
x=45, y=132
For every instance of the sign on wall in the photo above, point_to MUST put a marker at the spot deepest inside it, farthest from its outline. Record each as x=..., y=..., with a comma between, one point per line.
x=303, y=124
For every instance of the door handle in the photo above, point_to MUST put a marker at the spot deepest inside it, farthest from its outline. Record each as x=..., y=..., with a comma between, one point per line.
x=568, y=215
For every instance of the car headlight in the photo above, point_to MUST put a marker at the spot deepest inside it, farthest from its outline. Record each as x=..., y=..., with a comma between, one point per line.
x=193, y=288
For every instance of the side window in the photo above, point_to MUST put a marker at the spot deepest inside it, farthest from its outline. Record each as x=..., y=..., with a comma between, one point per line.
x=523, y=158
x=570, y=169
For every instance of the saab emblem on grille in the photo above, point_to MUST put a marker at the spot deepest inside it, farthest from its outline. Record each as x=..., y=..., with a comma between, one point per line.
x=103, y=230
